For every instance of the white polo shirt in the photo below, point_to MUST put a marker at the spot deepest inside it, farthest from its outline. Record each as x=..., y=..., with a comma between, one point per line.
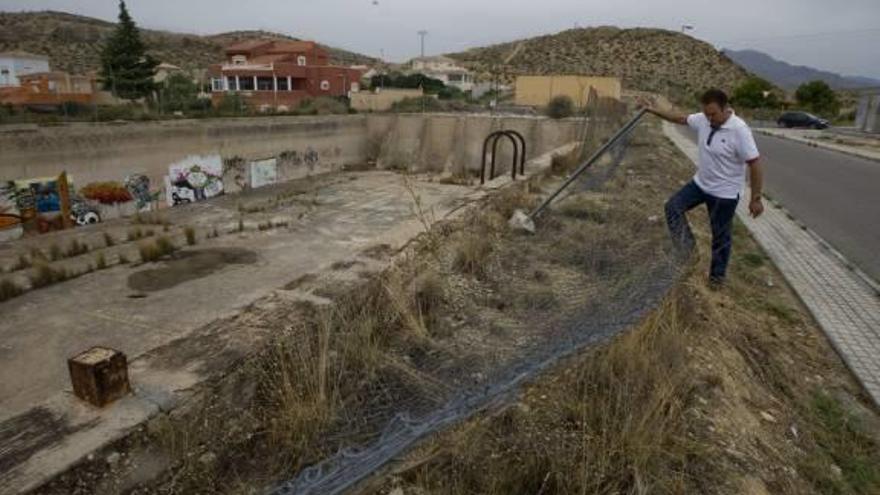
x=721, y=171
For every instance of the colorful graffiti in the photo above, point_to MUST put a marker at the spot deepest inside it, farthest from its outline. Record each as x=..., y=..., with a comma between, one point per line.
x=194, y=179
x=138, y=186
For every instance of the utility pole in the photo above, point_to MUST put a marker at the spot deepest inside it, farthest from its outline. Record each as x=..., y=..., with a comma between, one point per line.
x=422, y=35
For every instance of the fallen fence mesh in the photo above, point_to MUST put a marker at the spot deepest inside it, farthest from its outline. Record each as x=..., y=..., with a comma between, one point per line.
x=449, y=383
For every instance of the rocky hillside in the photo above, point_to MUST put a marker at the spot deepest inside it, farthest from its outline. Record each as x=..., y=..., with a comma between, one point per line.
x=74, y=42
x=646, y=59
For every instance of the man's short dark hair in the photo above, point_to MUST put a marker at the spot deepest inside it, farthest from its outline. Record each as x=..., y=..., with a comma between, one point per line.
x=714, y=95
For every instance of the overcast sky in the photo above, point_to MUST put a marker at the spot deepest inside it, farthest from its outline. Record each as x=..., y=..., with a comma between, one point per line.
x=838, y=35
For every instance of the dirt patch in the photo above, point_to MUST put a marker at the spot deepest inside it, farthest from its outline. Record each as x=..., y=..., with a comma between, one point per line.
x=185, y=266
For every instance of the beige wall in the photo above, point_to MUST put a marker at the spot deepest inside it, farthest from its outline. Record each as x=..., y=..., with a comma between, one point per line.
x=539, y=90
x=420, y=142
x=381, y=101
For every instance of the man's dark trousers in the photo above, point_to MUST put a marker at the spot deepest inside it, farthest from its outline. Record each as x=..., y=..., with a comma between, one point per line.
x=721, y=212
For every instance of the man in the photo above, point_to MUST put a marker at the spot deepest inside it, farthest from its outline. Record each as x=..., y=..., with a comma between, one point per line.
x=727, y=149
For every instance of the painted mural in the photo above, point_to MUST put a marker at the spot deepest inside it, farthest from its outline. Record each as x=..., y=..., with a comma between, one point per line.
x=10, y=218
x=195, y=178
x=138, y=186
x=264, y=172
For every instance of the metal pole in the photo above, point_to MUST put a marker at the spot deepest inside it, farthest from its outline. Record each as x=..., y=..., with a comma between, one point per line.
x=601, y=151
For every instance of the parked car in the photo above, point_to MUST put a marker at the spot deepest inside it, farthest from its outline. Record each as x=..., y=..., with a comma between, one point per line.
x=801, y=119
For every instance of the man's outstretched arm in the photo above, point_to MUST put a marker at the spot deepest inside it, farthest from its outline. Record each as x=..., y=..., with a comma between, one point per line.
x=675, y=118
x=650, y=106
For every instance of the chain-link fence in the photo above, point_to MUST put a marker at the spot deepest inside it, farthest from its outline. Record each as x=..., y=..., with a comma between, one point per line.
x=596, y=266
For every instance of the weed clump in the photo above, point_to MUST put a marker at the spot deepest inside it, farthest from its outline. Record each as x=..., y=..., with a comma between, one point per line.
x=76, y=248
x=9, y=289
x=471, y=254
x=45, y=275
x=190, y=234
x=154, y=251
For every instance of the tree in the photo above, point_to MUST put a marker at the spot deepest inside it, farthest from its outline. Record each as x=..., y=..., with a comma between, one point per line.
x=755, y=92
x=560, y=107
x=818, y=97
x=126, y=68
x=179, y=93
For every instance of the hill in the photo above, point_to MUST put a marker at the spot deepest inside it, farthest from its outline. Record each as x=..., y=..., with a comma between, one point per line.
x=791, y=76
x=73, y=42
x=645, y=59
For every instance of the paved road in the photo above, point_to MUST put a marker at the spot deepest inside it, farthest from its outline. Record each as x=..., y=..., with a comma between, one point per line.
x=836, y=195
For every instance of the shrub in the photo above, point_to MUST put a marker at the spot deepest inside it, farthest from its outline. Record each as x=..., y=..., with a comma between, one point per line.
x=751, y=94
x=9, y=289
x=472, y=253
x=560, y=107
x=818, y=97
x=76, y=248
x=55, y=252
x=190, y=234
x=100, y=261
x=45, y=275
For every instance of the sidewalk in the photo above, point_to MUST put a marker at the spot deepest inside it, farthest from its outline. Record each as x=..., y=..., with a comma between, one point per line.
x=846, y=305
x=860, y=146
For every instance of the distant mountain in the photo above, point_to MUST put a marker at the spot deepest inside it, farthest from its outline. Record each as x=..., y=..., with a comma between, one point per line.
x=645, y=59
x=791, y=76
x=73, y=42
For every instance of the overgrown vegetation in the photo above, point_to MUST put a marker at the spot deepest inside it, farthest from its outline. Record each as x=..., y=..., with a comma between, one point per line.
x=9, y=289
x=818, y=97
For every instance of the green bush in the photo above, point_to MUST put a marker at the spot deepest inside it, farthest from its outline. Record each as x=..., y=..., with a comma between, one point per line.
x=323, y=105
x=560, y=107
x=751, y=94
x=818, y=97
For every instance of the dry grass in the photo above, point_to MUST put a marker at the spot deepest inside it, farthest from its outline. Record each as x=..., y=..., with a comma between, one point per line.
x=472, y=254
x=76, y=248
x=45, y=275
x=151, y=218
x=156, y=250
x=190, y=234
x=100, y=261
x=9, y=289
x=22, y=263
x=109, y=241
x=613, y=424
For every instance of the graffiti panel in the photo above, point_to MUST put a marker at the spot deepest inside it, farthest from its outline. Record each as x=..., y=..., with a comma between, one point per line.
x=195, y=178
x=264, y=172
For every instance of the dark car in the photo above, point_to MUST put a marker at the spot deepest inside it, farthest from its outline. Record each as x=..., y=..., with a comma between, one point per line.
x=801, y=119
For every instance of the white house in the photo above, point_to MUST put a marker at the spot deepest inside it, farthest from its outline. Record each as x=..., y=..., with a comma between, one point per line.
x=446, y=70
x=15, y=64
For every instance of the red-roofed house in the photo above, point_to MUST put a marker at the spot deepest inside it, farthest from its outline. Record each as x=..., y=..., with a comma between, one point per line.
x=273, y=74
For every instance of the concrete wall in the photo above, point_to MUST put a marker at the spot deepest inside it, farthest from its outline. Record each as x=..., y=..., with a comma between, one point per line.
x=382, y=100
x=868, y=114
x=539, y=90
x=453, y=143
x=110, y=152
x=431, y=142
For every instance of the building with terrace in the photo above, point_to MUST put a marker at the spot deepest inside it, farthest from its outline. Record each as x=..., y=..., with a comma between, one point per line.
x=280, y=74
